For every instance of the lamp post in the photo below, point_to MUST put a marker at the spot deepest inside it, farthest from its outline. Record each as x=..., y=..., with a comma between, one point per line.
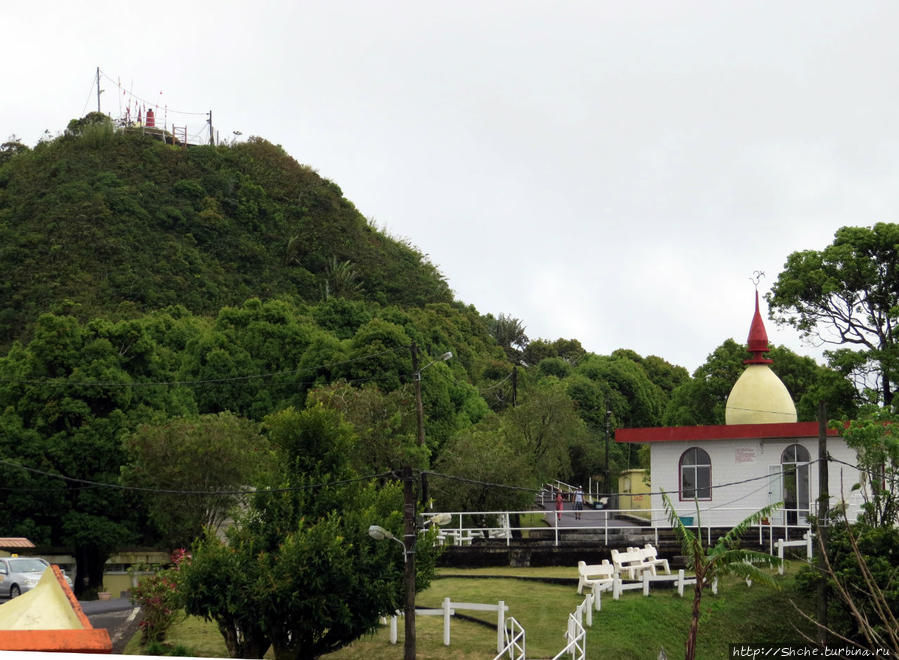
x=408, y=544
x=419, y=409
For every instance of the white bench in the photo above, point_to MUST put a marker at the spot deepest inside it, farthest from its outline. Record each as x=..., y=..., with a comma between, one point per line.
x=631, y=564
x=594, y=575
x=458, y=537
x=650, y=554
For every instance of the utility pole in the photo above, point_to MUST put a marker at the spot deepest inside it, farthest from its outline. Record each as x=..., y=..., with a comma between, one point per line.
x=211, y=135
x=420, y=416
x=409, y=565
x=99, y=91
x=608, y=467
x=514, y=385
x=823, y=504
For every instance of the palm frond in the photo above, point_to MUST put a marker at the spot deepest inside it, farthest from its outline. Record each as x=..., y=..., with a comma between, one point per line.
x=683, y=533
x=733, y=536
x=746, y=564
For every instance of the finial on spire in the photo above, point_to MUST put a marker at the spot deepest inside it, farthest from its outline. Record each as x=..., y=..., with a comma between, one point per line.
x=758, y=337
x=757, y=276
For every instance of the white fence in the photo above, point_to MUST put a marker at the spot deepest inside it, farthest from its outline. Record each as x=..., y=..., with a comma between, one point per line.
x=680, y=581
x=447, y=611
x=780, y=544
x=514, y=647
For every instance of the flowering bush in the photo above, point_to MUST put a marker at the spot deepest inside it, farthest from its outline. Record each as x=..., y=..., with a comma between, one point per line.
x=157, y=596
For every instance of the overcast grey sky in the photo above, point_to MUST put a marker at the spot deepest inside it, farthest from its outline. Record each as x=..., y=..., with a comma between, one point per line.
x=607, y=171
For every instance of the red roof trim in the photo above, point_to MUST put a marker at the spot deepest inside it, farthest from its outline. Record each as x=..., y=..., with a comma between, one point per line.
x=721, y=432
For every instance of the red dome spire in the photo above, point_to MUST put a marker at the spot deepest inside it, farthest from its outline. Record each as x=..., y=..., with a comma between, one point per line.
x=758, y=337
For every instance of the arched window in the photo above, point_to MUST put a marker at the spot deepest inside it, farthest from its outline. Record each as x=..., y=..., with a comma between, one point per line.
x=695, y=475
x=795, y=454
x=796, y=497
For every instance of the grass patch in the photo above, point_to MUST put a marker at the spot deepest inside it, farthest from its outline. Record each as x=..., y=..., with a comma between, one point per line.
x=633, y=627
x=200, y=638
x=636, y=627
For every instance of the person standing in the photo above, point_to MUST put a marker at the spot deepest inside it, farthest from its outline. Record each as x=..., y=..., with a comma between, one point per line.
x=578, y=502
x=559, y=505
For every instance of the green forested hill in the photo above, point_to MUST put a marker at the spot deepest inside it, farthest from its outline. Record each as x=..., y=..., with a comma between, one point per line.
x=152, y=291
x=99, y=218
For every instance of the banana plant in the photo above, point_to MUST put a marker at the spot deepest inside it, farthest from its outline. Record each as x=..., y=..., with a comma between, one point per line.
x=725, y=557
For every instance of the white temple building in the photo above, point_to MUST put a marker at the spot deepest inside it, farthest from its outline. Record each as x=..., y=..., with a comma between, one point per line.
x=760, y=456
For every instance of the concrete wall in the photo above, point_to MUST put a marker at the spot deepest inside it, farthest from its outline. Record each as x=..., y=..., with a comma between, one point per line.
x=744, y=464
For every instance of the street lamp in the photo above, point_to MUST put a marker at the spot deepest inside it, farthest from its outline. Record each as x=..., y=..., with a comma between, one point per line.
x=439, y=519
x=378, y=533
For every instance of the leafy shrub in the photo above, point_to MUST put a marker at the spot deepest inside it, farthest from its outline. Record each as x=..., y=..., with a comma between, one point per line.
x=879, y=549
x=157, y=596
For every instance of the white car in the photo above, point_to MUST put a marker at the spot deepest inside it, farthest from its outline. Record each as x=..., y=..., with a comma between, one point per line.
x=19, y=574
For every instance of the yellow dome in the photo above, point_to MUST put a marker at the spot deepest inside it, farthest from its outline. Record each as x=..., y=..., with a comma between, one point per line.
x=759, y=397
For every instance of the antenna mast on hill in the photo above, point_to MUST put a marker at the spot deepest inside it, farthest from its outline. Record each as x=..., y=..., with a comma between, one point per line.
x=99, y=91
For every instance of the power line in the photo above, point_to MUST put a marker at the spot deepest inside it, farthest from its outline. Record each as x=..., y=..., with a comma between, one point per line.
x=174, y=491
x=89, y=94
x=490, y=484
x=88, y=483
x=496, y=384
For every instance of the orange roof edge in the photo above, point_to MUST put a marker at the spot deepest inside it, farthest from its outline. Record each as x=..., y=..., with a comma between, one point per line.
x=70, y=641
x=76, y=606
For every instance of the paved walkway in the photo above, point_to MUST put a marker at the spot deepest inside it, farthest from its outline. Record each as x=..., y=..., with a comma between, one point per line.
x=588, y=518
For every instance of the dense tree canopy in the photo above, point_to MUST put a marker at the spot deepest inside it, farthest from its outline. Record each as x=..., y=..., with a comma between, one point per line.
x=66, y=400
x=848, y=294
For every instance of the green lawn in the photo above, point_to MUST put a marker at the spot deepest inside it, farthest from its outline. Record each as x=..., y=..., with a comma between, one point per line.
x=632, y=627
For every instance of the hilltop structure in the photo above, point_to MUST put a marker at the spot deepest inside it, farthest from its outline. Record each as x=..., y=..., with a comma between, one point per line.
x=760, y=456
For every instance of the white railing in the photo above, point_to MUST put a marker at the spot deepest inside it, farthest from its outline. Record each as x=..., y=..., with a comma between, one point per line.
x=604, y=520
x=577, y=640
x=514, y=646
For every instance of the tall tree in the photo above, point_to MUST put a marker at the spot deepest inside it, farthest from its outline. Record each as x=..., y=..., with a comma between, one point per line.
x=847, y=295
x=875, y=438
x=543, y=428
x=213, y=453
x=384, y=424
x=509, y=333
x=307, y=578
x=67, y=399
